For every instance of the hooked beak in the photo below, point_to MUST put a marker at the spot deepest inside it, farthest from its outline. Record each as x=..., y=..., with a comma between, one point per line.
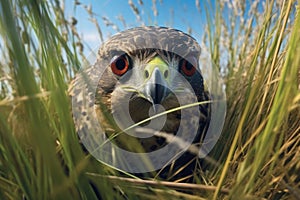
x=156, y=75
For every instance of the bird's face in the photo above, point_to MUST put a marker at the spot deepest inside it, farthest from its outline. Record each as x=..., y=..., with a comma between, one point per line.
x=148, y=82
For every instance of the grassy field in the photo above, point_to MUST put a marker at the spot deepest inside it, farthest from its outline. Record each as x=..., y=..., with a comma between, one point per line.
x=259, y=149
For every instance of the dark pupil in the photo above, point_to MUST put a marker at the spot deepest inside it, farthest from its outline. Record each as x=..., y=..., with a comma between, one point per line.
x=189, y=66
x=120, y=64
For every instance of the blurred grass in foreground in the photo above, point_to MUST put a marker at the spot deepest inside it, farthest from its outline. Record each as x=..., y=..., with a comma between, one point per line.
x=257, y=56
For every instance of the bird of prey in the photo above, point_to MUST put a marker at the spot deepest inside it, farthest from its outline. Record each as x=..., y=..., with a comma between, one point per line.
x=145, y=91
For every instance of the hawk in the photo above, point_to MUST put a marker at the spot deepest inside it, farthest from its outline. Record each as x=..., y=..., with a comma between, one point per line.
x=145, y=95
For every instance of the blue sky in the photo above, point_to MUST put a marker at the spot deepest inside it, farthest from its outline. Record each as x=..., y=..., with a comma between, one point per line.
x=178, y=14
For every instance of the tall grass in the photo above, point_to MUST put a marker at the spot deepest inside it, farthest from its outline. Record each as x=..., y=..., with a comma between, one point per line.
x=256, y=52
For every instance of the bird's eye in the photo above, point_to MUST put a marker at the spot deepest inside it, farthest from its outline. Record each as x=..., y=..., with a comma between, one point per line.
x=187, y=68
x=120, y=65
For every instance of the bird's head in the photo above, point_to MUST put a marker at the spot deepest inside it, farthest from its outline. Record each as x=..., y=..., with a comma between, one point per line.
x=146, y=71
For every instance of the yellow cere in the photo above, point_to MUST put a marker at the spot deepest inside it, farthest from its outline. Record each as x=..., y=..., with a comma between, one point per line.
x=157, y=62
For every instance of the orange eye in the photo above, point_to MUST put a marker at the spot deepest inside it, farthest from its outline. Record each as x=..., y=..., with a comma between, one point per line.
x=187, y=68
x=120, y=66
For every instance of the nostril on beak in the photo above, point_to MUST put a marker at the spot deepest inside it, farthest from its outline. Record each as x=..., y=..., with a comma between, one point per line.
x=166, y=73
x=146, y=74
